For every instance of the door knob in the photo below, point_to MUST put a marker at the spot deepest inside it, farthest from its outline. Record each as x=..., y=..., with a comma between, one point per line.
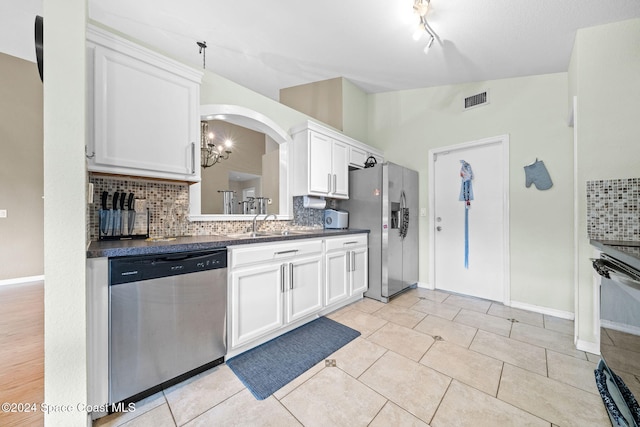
x=438, y=228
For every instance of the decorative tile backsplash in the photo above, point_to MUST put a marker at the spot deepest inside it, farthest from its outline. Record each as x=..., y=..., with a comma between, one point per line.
x=168, y=205
x=306, y=217
x=613, y=209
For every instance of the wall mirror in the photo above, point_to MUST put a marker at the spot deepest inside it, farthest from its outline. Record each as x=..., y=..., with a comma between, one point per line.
x=254, y=178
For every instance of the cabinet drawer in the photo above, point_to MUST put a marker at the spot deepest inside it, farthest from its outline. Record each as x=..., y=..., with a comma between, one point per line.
x=346, y=242
x=273, y=251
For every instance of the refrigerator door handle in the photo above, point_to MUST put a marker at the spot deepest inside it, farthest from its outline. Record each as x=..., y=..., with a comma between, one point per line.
x=404, y=216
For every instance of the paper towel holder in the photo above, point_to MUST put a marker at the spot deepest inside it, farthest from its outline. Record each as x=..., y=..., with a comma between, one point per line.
x=314, y=202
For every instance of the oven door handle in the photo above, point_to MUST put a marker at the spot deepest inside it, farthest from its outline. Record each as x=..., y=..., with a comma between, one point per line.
x=600, y=266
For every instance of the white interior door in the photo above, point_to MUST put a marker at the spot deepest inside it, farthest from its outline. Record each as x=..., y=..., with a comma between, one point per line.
x=487, y=219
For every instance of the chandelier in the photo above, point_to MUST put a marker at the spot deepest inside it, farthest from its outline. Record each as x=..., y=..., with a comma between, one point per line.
x=210, y=154
x=420, y=8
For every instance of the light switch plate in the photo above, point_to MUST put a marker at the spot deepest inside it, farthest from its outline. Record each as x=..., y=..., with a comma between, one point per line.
x=423, y=211
x=3, y=213
x=90, y=193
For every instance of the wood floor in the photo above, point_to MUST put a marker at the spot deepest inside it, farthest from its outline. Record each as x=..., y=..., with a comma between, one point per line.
x=22, y=351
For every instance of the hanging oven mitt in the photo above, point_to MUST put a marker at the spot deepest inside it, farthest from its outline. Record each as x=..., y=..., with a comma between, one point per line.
x=537, y=174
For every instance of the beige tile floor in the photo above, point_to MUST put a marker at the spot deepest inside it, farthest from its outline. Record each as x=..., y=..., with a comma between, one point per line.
x=428, y=358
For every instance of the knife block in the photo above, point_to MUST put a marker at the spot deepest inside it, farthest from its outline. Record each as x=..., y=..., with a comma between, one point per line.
x=113, y=222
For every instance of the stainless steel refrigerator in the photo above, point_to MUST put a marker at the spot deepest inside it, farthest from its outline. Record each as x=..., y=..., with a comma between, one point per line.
x=384, y=199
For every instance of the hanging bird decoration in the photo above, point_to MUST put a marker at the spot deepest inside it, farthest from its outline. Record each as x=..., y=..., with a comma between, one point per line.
x=466, y=195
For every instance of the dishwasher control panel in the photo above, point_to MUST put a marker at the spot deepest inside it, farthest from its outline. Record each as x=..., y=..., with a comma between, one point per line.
x=145, y=267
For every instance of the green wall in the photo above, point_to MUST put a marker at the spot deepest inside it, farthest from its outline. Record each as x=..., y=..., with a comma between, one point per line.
x=533, y=111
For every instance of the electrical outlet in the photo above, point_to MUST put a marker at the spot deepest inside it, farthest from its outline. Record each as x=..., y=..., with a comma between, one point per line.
x=140, y=205
x=423, y=211
x=3, y=213
x=269, y=201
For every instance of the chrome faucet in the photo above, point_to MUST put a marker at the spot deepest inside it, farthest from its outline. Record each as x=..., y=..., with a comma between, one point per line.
x=255, y=220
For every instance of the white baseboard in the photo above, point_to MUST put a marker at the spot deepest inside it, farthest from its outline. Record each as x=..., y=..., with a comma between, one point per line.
x=588, y=346
x=629, y=329
x=20, y=280
x=543, y=310
x=425, y=286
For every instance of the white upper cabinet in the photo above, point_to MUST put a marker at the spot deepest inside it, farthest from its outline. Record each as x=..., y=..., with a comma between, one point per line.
x=322, y=158
x=358, y=156
x=328, y=168
x=143, y=111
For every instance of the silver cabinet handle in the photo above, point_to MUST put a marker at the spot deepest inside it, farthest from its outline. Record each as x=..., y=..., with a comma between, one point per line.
x=348, y=254
x=335, y=181
x=349, y=243
x=193, y=158
x=329, y=183
x=290, y=276
x=292, y=251
x=282, y=272
x=353, y=260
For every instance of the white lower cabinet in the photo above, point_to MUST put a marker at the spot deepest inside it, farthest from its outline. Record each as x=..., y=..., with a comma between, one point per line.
x=272, y=285
x=337, y=286
x=304, y=287
x=256, y=302
x=275, y=287
x=346, y=264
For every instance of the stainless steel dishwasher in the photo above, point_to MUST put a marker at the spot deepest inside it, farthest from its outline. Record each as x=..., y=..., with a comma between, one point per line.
x=167, y=320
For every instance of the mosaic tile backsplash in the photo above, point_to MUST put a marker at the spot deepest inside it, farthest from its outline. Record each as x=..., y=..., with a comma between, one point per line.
x=613, y=209
x=168, y=205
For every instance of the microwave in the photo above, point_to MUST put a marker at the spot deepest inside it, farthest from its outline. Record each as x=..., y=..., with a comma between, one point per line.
x=336, y=219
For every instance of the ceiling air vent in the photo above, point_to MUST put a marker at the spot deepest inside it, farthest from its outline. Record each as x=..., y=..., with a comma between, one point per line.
x=476, y=100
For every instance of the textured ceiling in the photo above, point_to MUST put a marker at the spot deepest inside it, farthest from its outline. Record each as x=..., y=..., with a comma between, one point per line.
x=267, y=46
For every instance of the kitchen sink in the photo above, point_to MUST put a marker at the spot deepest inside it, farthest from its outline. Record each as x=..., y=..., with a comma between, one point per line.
x=250, y=234
x=296, y=232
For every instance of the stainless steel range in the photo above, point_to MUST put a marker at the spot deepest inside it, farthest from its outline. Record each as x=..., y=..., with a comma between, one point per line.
x=618, y=373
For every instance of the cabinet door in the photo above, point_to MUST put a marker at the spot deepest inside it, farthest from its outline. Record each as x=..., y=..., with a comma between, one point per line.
x=304, y=287
x=337, y=277
x=357, y=157
x=145, y=118
x=340, y=170
x=320, y=175
x=256, y=302
x=359, y=270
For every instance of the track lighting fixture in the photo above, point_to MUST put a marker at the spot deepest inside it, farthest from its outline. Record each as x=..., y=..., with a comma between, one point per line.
x=421, y=8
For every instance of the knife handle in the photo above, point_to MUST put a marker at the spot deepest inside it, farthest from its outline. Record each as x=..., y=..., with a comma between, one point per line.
x=105, y=195
x=123, y=200
x=130, y=202
x=114, y=203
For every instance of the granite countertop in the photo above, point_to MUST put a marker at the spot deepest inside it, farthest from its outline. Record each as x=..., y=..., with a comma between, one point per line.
x=118, y=248
x=625, y=251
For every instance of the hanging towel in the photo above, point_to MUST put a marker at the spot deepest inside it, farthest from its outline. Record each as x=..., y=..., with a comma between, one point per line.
x=466, y=195
x=537, y=174
x=466, y=189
